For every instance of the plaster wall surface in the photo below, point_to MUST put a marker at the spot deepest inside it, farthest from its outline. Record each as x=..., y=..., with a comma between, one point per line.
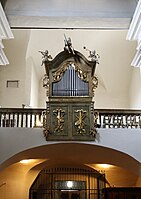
x=114, y=71
x=123, y=140
x=16, y=70
x=135, y=89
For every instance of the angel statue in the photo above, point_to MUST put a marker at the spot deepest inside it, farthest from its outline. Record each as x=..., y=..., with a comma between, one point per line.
x=92, y=55
x=46, y=56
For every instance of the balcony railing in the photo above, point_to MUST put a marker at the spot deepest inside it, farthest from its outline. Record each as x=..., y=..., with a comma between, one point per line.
x=105, y=118
x=17, y=117
x=118, y=118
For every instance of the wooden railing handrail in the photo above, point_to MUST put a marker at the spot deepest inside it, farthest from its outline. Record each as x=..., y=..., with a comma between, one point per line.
x=21, y=110
x=119, y=111
x=37, y=110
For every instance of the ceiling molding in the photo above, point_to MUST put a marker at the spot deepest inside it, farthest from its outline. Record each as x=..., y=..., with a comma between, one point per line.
x=44, y=22
x=5, y=33
x=134, y=33
x=135, y=23
x=1, y=44
x=3, y=58
x=3, y=2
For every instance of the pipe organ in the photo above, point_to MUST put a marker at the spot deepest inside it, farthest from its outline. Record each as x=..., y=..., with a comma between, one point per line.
x=70, y=83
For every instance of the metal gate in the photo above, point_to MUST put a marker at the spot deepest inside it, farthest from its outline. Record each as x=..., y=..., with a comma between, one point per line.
x=68, y=183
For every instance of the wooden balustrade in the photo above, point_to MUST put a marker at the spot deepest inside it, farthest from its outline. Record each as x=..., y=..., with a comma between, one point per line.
x=17, y=117
x=105, y=118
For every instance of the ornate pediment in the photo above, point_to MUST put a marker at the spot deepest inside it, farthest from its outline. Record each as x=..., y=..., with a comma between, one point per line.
x=66, y=57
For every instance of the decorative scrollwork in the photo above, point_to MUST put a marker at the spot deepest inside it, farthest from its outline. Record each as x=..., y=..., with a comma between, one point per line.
x=60, y=120
x=81, y=74
x=96, y=115
x=94, y=84
x=57, y=76
x=45, y=128
x=46, y=84
x=80, y=124
x=93, y=132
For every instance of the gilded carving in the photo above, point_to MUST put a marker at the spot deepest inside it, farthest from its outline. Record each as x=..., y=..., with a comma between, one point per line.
x=45, y=128
x=96, y=116
x=81, y=74
x=94, y=83
x=46, y=84
x=59, y=113
x=80, y=124
x=93, y=132
x=57, y=76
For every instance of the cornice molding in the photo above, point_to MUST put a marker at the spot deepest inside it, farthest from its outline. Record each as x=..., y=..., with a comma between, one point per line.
x=5, y=33
x=135, y=25
x=134, y=33
x=3, y=58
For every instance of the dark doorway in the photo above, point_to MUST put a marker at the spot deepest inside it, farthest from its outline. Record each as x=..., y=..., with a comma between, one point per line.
x=70, y=195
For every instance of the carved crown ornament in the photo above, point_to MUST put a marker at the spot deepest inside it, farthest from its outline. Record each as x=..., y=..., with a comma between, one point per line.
x=70, y=84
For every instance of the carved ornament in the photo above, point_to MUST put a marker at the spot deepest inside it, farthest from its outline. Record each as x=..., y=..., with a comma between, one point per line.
x=57, y=76
x=80, y=124
x=59, y=113
x=94, y=83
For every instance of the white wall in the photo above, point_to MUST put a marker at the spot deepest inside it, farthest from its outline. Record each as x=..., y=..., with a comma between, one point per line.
x=31, y=84
x=20, y=68
x=15, y=50
x=107, y=100
x=42, y=95
x=34, y=88
x=28, y=81
x=122, y=140
x=135, y=89
x=114, y=70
